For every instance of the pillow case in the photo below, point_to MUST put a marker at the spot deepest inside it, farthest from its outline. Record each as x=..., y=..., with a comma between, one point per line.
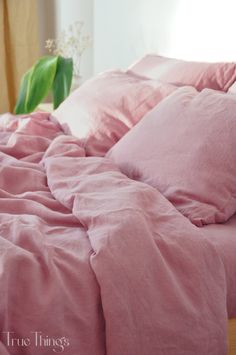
x=102, y=110
x=232, y=89
x=186, y=148
x=218, y=76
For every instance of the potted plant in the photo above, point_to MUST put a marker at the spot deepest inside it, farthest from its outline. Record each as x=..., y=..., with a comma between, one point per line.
x=54, y=73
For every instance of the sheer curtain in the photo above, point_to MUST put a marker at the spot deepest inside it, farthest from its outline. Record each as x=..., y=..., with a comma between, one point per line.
x=19, y=46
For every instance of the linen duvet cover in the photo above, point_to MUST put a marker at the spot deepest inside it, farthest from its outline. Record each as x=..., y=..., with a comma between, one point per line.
x=94, y=263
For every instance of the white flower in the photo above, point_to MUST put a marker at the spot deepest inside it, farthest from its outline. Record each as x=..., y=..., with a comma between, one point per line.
x=50, y=44
x=71, y=43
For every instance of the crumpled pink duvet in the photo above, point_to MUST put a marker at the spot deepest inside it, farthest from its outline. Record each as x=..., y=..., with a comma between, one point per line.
x=93, y=263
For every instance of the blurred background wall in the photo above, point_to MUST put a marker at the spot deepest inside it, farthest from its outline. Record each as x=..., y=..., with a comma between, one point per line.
x=57, y=15
x=121, y=32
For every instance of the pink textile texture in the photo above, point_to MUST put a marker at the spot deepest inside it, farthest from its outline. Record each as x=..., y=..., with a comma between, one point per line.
x=218, y=76
x=223, y=236
x=102, y=110
x=185, y=147
x=232, y=89
x=95, y=261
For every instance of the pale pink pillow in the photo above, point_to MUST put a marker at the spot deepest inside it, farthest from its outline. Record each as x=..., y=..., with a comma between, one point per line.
x=102, y=110
x=218, y=76
x=186, y=148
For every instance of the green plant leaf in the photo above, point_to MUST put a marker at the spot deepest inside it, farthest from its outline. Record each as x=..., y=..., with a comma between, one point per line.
x=20, y=104
x=41, y=81
x=36, y=84
x=62, y=82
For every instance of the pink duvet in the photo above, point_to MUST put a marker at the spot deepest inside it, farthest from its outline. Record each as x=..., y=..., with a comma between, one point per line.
x=93, y=263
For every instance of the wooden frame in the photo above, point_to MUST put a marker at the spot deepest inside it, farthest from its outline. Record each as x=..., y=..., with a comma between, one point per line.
x=232, y=336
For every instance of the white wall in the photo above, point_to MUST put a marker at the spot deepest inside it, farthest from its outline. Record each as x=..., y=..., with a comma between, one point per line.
x=57, y=15
x=190, y=29
x=124, y=30
x=127, y=29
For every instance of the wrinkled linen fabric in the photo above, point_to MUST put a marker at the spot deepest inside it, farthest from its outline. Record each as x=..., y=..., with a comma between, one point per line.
x=222, y=236
x=103, y=263
x=107, y=106
x=201, y=75
x=185, y=147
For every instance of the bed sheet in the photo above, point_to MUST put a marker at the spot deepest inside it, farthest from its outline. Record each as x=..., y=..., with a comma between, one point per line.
x=223, y=237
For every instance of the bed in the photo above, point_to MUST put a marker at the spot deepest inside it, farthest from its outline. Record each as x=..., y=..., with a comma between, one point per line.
x=232, y=332
x=107, y=248
x=214, y=233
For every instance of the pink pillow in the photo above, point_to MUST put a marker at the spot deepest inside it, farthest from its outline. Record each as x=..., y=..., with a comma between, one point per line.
x=186, y=148
x=218, y=76
x=107, y=106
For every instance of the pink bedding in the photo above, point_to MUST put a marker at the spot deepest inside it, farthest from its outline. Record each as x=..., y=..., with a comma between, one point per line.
x=175, y=148
x=223, y=237
x=217, y=76
x=93, y=263
x=104, y=108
